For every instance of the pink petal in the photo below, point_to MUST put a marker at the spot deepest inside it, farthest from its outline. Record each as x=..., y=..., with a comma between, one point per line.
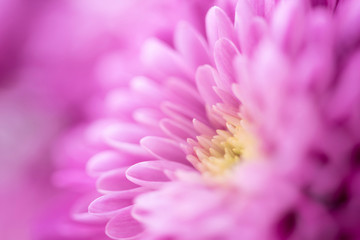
x=217, y=121
x=226, y=97
x=131, y=148
x=165, y=61
x=181, y=113
x=289, y=15
x=147, y=89
x=80, y=210
x=126, y=137
x=203, y=129
x=346, y=97
x=249, y=24
x=348, y=16
x=262, y=8
x=185, y=93
x=243, y=17
x=127, y=132
x=106, y=161
x=148, y=116
x=113, y=181
x=205, y=80
x=225, y=52
x=317, y=60
x=110, y=204
x=176, y=130
x=122, y=102
x=123, y=226
x=243, y=88
x=218, y=25
x=164, y=148
x=153, y=174
x=226, y=109
x=191, y=45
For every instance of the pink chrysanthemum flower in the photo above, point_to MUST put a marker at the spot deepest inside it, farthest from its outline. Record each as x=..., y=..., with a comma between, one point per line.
x=242, y=128
x=248, y=132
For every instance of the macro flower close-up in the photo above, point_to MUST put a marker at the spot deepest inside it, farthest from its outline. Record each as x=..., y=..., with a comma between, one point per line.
x=180, y=120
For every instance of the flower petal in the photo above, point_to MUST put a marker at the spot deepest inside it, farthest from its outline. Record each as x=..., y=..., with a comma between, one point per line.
x=80, y=210
x=148, y=90
x=123, y=226
x=163, y=148
x=126, y=137
x=181, y=113
x=288, y=15
x=191, y=45
x=110, y=204
x=148, y=116
x=185, y=93
x=203, y=129
x=347, y=93
x=175, y=130
x=348, y=16
x=226, y=97
x=127, y=132
x=249, y=23
x=113, y=181
x=205, y=81
x=164, y=61
x=106, y=161
x=224, y=53
x=153, y=174
x=219, y=25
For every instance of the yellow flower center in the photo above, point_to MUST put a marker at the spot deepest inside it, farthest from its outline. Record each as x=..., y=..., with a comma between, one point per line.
x=219, y=154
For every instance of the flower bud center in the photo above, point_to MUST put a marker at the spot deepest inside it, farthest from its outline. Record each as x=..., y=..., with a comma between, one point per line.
x=217, y=155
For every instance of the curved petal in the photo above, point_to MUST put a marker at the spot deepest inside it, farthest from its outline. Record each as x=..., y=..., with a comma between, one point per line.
x=126, y=137
x=148, y=116
x=181, y=113
x=203, y=129
x=157, y=56
x=205, y=81
x=176, y=130
x=123, y=226
x=163, y=148
x=106, y=161
x=250, y=22
x=153, y=174
x=110, y=204
x=225, y=52
x=346, y=96
x=185, y=93
x=191, y=45
x=113, y=181
x=80, y=210
x=226, y=97
x=289, y=15
x=219, y=25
